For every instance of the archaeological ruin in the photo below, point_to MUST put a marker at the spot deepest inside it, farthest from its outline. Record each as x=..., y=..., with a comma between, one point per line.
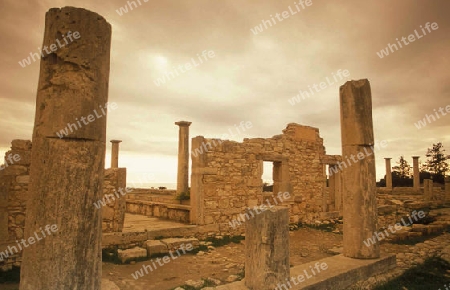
x=62, y=212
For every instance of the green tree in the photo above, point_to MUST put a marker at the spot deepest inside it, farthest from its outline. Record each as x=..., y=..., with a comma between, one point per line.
x=403, y=168
x=436, y=162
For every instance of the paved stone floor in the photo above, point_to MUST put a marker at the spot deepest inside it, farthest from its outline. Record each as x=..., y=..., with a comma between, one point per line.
x=140, y=223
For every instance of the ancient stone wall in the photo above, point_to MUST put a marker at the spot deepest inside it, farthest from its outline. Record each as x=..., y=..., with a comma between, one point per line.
x=114, y=188
x=14, y=180
x=226, y=175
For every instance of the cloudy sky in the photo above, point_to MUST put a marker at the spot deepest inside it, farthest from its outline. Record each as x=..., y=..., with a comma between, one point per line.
x=251, y=77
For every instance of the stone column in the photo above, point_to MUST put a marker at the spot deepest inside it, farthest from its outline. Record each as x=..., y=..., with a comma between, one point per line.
x=332, y=188
x=426, y=189
x=66, y=174
x=267, y=248
x=338, y=191
x=115, y=153
x=388, y=173
x=416, y=180
x=183, y=157
x=360, y=203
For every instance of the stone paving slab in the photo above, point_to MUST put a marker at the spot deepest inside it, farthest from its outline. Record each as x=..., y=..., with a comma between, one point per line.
x=341, y=273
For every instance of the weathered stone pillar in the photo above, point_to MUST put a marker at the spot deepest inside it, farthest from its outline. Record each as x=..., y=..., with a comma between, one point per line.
x=388, y=173
x=115, y=153
x=183, y=157
x=360, y=203
x=416, y=177
x=267, y=248
x=428, y=189
x=338, y=190
x=332, y=188
x=66, y=175
x=197, y=190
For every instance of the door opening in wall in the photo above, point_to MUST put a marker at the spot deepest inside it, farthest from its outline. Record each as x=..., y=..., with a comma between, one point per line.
x=267, y=176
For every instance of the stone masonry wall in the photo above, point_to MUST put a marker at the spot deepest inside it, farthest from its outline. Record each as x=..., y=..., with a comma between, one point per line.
x=226, y=175
x=114, y=185
x=14, y=179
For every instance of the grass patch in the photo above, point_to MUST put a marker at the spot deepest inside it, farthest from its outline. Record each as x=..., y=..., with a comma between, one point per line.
x=225, y=240
x=432, y=274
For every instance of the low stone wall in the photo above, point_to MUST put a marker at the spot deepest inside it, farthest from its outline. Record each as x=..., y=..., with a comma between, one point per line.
x=136, y=239
x=173, y=212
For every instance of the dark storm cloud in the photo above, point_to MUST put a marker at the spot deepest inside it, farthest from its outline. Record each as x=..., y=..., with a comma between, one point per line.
x=251, y=77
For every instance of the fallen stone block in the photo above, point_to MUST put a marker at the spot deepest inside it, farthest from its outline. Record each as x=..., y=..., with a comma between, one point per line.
x=175, y=243
x=155, y=247
x=131, y=254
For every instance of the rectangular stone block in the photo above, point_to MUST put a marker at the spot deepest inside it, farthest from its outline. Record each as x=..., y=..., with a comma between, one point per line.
x=155, y=247
x=267, y=248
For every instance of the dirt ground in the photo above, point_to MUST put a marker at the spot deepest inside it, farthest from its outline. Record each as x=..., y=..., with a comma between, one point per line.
x=306, y=245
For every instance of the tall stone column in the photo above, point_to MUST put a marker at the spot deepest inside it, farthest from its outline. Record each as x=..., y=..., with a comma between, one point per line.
x=115, y=153
x=360, y=203
x=66, y=174
x=338, y=190
x=388, y=173
x=332, y=188
x=416, y=180
x=183, y=156
x=267, y=248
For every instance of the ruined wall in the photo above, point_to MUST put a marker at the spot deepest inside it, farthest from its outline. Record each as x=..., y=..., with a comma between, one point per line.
x=226, y=175
x=14, y=180
x=114, y=185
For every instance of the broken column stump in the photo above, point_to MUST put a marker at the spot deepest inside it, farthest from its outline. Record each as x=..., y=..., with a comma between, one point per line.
x=359, y=179
x=67, y=170
x=267, y=248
